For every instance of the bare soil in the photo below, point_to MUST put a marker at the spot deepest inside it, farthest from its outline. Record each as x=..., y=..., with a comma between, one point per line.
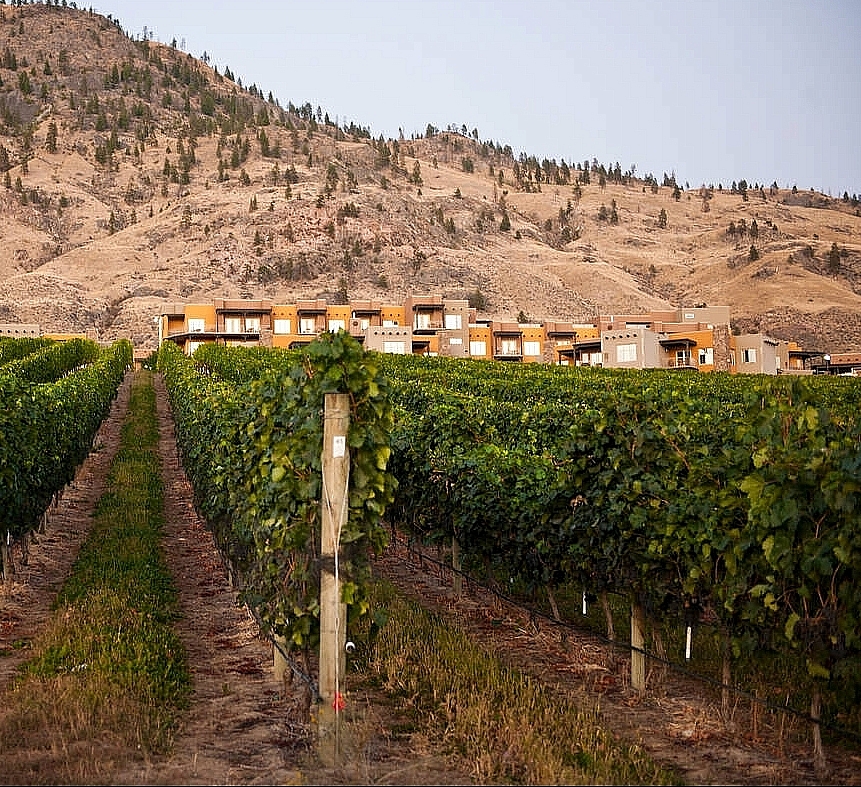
x=245, y=726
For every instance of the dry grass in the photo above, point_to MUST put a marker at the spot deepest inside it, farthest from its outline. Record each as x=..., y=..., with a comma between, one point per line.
x=508, y=726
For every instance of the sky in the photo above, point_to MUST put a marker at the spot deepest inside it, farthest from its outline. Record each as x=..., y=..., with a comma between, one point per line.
x=714, y=92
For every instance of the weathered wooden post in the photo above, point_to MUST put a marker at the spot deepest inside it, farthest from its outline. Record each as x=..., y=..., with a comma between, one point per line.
x=333, y=614
x=638, y=645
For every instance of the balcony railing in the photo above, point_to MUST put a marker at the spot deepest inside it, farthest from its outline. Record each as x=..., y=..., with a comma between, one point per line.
x=433, y=325
x=682, y=363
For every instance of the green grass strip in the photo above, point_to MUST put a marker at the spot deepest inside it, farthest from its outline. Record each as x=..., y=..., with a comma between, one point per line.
x=111, y=653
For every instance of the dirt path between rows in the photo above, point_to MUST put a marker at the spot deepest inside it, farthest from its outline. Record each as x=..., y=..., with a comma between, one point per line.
x=243, y=726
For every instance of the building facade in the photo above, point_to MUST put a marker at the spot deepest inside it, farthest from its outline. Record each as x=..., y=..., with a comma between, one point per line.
x=685, y=339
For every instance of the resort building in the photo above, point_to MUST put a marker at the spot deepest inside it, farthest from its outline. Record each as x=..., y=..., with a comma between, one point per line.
x=697, y=338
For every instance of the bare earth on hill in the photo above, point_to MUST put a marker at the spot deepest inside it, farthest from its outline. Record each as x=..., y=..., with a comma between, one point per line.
x=245, y=727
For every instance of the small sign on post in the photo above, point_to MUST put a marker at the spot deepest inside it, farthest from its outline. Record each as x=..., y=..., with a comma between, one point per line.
x=333, y=613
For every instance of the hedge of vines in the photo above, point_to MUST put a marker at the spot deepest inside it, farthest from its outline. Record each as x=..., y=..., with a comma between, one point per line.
x=250, y=429
x=54, y=400
x=731, y=496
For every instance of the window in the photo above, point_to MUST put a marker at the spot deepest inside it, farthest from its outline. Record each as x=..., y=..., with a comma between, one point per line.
x=282, y=326
x=337, y=325
x=532, y=348
x=232, y=324
x=683, y=358
x=508, y=347
x=625, y=353
x=478, y=348
x=307, y=325
x=455, y=340
x=707, y=356
x=387, y=324
x=196, y=325
x=748, y=355
x=364, y=322
x=252, y=324
x=397, y=348
x=453, y=322
x=423, y=320
x=192, y=346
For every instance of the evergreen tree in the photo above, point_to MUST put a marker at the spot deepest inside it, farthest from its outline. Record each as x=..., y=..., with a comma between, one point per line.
x=416, y=178
x=51, y=138
x=834, y=259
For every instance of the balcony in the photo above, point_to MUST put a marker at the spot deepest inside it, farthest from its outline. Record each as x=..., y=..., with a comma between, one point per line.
x=427, y=326
x=682, y=363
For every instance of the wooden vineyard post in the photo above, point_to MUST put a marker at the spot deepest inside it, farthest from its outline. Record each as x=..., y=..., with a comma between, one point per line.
x=333, y=614
x=6, y=569
x=280, y=666
x=457, y=565
x=638, y=643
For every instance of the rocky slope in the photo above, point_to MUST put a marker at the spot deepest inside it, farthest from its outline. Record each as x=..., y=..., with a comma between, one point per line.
x=135, y=175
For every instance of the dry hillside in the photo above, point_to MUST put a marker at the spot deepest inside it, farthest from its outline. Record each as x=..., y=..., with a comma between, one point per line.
x=135, y=175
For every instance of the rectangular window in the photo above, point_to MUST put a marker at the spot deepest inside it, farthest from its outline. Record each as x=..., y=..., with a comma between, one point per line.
x=192, y=346
x=337, y=325
x=232, y=324
x=307, y=325
x=252, y=325
x=509, y=347
x=748, y=355
x=196, y=325
x=396, y=348
x=386, y=324
x=455, y=340
x=423, y=321
x=532, y=348
x=683, y=358
x=707, y=356
x=478, y=349
x=282, y=326
x=626, y=353
x=453, y=322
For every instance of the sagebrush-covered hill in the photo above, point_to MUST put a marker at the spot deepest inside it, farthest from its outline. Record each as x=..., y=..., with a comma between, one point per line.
x=136, y=175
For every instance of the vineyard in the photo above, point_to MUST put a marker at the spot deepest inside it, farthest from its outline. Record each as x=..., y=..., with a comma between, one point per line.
x=718, y=511
x=724, y=503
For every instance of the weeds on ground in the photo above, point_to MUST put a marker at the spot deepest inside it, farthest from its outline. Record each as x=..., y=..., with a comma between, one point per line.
x=505, y=725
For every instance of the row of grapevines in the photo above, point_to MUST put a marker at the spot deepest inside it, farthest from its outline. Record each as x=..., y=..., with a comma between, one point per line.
x=50, y=362
x=12, y=348
x=239, y=365
x=736, y=494
x=252, y=444
x=47, y=430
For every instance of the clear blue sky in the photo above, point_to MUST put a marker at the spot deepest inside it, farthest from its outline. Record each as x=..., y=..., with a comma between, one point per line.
x=761, y=90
